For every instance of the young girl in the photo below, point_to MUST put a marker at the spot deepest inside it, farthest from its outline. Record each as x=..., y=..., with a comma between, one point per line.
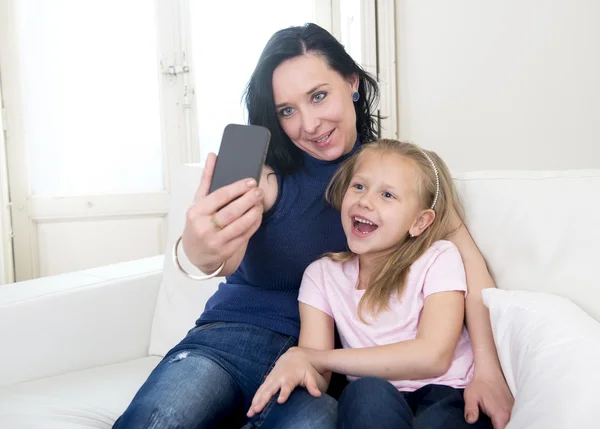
x=397, y=298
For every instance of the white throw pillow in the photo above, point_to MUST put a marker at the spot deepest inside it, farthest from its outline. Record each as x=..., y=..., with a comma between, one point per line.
x=549, y=350
x=180, y=300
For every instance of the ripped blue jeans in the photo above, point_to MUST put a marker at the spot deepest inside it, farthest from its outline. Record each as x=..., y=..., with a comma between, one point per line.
x=209, y=379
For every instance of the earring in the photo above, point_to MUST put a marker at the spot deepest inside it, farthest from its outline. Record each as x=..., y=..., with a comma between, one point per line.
x=355, y=96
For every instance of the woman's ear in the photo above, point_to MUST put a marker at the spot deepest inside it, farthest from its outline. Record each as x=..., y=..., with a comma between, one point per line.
x=354, y=81
x=424, y=219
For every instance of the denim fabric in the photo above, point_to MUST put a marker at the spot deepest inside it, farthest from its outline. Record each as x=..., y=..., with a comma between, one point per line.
x=209, y=379
x=375, y=403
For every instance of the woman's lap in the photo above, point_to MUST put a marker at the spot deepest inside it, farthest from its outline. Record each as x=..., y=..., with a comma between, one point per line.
x=211, y=374
x=300, y=411
x=169, y=398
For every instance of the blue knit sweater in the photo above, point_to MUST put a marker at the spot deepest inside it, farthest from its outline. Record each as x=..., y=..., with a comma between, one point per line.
x=298, y=230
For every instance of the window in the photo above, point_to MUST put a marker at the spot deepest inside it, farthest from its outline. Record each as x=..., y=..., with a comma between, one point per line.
x=90, y=96
x=105, y=99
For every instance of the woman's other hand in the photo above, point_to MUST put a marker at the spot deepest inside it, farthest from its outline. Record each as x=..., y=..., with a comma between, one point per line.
x=492, y=395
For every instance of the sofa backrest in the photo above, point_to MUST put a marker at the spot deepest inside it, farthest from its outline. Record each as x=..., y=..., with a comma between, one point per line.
x=538, y=231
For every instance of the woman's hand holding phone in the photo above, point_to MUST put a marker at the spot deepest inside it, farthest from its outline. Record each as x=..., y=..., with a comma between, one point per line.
x=219, y=224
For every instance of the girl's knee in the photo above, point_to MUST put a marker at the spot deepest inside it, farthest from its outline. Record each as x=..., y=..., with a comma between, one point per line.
x=373, y=402
x=368, y=386
x=368, y=392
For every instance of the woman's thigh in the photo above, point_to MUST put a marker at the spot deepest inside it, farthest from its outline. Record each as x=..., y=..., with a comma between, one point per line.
x=208, y=379
x=437, y=406
x=185, y=391
x=373, y=402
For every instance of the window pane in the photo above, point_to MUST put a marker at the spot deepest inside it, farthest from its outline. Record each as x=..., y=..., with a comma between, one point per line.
x=351, y=28
x=227, y=39
x=90, y=85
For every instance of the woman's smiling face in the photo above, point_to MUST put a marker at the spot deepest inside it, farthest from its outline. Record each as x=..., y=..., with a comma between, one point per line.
x=314, y=105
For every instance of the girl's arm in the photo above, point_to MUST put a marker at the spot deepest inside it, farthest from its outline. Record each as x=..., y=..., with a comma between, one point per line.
x=429, y=355
x=317, y=333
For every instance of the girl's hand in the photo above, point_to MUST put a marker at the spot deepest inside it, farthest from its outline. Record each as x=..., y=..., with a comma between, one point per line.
x=219, y=224
x=493, y=396
x=291, y=370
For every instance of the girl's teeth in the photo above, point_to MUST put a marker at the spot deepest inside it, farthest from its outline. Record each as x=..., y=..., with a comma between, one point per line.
x=363, y=221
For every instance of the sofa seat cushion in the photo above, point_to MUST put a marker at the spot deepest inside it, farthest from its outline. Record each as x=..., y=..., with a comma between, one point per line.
x=92, y=398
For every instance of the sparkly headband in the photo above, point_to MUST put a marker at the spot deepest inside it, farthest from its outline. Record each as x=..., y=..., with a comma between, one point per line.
x=437, y=179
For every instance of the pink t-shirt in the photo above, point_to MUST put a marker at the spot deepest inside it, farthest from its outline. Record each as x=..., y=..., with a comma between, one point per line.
x=331, y=287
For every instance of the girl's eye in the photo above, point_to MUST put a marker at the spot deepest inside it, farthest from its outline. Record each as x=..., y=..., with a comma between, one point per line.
x=319, y=96
x=358, y=186
x=286, y=112
x=387, y=195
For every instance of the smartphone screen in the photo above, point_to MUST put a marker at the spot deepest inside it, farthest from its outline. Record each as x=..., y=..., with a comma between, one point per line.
x=241, y=155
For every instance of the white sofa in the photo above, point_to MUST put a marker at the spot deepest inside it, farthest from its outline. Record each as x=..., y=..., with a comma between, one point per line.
x=75, y=348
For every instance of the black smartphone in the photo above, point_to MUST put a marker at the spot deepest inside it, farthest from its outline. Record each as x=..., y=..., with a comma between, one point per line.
x=242, y=154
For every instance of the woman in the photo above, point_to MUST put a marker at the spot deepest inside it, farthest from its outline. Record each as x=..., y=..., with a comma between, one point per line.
x=318, y=104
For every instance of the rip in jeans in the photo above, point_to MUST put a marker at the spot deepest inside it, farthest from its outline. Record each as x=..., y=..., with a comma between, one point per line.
x=179, y=356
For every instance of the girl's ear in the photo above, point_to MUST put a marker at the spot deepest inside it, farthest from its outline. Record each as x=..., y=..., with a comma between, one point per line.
x=424, y=219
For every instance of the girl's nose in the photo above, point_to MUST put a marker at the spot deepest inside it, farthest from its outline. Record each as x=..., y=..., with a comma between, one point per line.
x=366, y=201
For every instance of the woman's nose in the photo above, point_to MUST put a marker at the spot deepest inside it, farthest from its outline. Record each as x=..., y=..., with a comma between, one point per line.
x=310, y=122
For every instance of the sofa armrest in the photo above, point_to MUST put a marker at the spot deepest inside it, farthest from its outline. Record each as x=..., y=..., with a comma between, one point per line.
x=58, y=324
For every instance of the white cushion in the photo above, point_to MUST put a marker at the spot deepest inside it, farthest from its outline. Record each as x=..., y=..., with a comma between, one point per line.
x=180, y=300
x=92, y=398
x=549, y=350
x=538, y=231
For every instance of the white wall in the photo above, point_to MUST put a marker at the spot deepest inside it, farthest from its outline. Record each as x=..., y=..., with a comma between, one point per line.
x=501, y=84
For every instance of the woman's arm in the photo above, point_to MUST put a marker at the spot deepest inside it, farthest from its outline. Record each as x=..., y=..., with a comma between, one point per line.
x=429, y=355
x=477, y=316
x=488, y=389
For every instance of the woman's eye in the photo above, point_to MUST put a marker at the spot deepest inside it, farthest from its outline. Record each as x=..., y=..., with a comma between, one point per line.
x=319, y=96
x=286, y=112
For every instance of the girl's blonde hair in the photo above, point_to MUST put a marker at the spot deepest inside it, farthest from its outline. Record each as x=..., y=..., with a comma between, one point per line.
x=391, y=271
